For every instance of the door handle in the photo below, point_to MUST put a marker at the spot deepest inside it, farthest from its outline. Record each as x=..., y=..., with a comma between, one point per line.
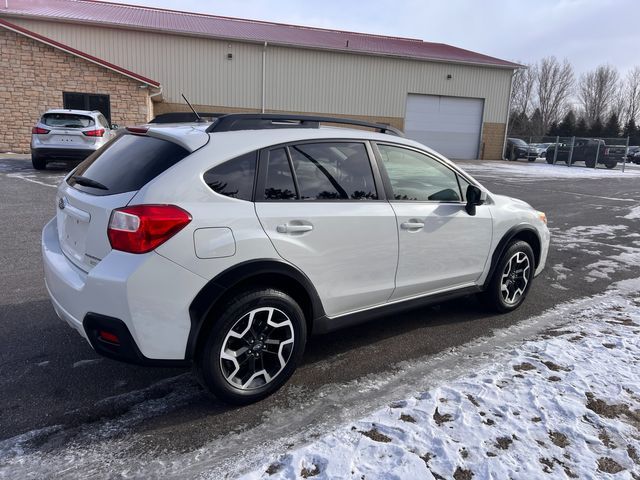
x=412, y=225
x=286, y=228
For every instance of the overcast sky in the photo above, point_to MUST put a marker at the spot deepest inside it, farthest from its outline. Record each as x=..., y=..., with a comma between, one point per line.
x=587, y=32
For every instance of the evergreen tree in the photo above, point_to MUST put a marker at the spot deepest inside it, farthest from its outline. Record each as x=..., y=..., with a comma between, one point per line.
x=581, y=128
x=536, y=127
x=612, y=127
x=630, y=130
x=568, y=125
x=596, y=129
x=554, y=130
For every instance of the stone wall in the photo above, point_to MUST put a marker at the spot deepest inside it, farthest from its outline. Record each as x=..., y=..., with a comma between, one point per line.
x=33, y=77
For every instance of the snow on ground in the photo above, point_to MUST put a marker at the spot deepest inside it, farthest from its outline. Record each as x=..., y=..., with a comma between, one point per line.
x=519, y=171
x=633, y=214
x=563, y=405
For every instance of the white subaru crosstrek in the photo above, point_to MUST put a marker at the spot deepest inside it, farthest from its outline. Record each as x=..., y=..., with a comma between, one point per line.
x=225, y=245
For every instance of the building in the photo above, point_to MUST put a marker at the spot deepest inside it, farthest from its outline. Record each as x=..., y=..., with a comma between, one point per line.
x=133, y=63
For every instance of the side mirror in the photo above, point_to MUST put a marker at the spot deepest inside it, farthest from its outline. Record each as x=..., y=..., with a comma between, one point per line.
x=115, y=126
x=474, y=198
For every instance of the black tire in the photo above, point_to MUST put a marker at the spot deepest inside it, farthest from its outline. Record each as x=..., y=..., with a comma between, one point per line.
x=513, y=156
x=38, y=162
x=531, y=159
x=549, y=160
x=209, y=364
x=493, y=297
x=611, y=165
x=590, y=163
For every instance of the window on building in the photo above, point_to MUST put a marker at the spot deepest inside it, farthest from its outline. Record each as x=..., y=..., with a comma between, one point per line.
x=87, y=101
x=233, y=178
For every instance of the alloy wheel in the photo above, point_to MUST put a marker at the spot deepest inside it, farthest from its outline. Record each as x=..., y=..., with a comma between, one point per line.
x=515, y=278
x=257, y=348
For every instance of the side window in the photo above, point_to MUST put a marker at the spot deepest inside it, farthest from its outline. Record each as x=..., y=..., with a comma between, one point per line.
x=103, y=121
x=279, y=183
x=233, y=178
x=418, y=177
x=333, y=171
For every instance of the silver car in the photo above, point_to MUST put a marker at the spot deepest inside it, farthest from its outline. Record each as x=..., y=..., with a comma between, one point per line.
x=68, y=135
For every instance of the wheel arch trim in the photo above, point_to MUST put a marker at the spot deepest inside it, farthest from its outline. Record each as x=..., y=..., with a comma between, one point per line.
x=215, y=290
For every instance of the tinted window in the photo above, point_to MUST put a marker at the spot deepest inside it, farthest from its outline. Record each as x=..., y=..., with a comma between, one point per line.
x=233, y=178
x=333, y=171
x=67, y=120
x=415, y=176
x=279, y=182
x=127, y=164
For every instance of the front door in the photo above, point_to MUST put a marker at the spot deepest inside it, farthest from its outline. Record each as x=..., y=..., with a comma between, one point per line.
x=441, y=246
x=319, y=204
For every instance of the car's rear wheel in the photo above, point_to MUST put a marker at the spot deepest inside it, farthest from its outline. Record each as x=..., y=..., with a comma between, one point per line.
x=38, y=162
x=513, y=156
x=531, y=159
x=611, y=165
x=253, y=348
x=512, y=278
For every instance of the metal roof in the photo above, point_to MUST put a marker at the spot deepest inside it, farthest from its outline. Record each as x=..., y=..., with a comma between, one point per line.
x=73, y=51
x=178, y=22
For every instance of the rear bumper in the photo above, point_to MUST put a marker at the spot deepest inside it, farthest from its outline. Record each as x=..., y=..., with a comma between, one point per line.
x=146, y=294
x=63, y=153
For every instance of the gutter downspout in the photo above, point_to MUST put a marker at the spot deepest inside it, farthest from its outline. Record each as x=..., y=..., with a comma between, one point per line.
x=152, y=108
x=264, y=75
x=506, y=124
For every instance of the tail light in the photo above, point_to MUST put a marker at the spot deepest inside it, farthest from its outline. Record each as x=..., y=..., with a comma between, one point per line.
x=39, y=131
x=142, y=228
x=94, y=133
x=606, y=151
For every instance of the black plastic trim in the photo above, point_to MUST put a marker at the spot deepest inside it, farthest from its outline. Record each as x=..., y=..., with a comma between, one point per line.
x=202, y=305
x=62, y=153
x=127, y=350
x=325, y=324
x=502, y=246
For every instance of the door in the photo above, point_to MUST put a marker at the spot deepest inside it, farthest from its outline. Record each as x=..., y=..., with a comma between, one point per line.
x=449, y=125
x=441, y=246
x=320, y=206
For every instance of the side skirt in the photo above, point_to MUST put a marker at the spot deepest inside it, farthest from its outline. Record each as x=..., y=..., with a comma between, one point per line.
x=326, y=324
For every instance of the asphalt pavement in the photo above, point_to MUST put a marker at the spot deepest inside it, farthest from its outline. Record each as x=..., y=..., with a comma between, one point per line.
x=53, y=382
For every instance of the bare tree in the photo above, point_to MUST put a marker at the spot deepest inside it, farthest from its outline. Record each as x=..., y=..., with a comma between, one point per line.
x=597, y=91
x=555, y=81
x=631, y=95
x=524, y=81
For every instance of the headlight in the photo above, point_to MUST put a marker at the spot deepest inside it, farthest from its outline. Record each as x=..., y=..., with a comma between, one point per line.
x=542, y=216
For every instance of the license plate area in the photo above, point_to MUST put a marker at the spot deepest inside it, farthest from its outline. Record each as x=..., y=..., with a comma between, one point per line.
x=73, y=230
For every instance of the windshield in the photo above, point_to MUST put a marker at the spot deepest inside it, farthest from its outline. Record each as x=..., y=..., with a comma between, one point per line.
x=517, y=141
x=67, y=120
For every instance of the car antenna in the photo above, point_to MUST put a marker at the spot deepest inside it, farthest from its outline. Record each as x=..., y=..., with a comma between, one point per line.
x=198, y=117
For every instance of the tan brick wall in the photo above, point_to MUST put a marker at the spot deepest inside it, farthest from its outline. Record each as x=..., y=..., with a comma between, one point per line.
x=492, y=141
x=178, y=107
x=34, y=75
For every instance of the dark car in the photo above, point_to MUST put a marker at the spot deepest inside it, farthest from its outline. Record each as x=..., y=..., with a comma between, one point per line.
x=588, y=150
x=517, y=148
x=631, y=151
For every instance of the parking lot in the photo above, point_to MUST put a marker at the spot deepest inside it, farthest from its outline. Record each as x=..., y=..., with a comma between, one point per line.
x=57, y=396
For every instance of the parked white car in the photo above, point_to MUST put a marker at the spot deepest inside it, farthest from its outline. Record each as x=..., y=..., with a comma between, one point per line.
x=225, y=245
x=68, y=135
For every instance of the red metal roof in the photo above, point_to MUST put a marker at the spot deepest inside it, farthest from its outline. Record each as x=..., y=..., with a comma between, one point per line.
x=149, y=18
x=77, y=53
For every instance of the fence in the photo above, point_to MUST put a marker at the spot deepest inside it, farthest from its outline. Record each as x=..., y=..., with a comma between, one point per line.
x=594, y=152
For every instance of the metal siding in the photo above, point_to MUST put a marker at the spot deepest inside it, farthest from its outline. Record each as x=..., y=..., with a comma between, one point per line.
x=297, y=79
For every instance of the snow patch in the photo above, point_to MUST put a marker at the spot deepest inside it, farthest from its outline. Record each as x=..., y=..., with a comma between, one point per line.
x=633, y=214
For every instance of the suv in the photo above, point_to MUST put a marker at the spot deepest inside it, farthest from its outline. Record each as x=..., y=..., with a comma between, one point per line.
x=68, y=135
x=517, y=148
x=588, y=150
x=225, y=245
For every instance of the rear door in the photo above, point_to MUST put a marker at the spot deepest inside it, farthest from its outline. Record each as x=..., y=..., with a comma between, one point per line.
x=325, y=213
x=442, y=247
x=108, y=179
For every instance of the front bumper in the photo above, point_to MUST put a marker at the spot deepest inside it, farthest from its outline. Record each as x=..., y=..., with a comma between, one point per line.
x=149, y=294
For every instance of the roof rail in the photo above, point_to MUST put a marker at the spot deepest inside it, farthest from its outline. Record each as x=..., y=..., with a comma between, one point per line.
x=260, y=121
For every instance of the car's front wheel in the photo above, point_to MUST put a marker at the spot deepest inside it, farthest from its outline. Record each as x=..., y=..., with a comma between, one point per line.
x=253, y=348
x=512, y=278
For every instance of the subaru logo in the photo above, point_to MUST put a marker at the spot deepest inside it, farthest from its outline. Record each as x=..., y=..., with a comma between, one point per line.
x=61, y=203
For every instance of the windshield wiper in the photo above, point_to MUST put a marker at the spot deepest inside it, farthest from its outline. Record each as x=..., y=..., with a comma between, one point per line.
x=87, y=182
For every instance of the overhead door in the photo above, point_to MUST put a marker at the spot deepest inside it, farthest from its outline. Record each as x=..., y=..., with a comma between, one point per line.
x=449, y=125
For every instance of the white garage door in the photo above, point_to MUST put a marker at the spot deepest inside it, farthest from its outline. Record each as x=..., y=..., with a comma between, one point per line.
x=449, y=125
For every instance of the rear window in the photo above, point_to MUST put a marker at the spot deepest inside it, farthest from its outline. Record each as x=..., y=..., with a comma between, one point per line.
x=126, y=164
x=67, y=120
